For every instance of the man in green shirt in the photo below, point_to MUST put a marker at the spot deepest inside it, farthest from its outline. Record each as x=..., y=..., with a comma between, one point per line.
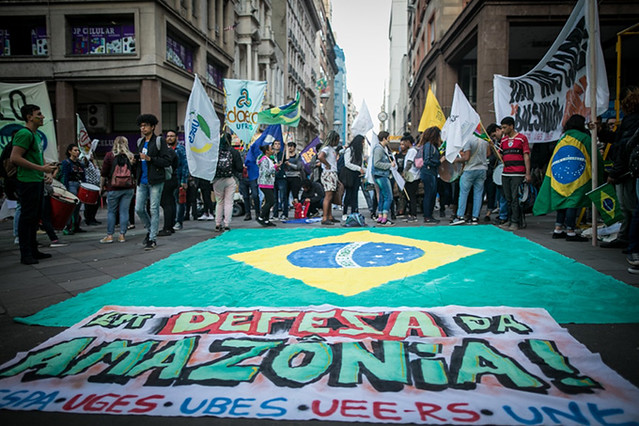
x=27, y=157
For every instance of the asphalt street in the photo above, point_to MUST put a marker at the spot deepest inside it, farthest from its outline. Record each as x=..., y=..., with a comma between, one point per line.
x=85, y=264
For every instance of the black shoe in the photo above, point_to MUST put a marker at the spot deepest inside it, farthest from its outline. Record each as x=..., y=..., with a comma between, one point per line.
x=248, y=217
x=165, y=233
x=150, y=245
x=79, y=230
x=40, y=255
x=146, y=239
x=558, y=235
x=28, y=261
x=218, y=228
x=576, y=237
x=616, y=243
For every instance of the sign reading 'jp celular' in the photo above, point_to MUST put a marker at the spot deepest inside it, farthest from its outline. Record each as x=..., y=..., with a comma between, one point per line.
x=444, y=365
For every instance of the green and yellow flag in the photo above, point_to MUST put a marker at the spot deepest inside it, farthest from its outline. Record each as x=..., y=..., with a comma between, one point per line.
x=433, y=114
x=568, y=176
x=605, y=199
x=288, y=114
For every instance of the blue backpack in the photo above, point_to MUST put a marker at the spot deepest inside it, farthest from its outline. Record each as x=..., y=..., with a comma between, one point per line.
x=355, y=220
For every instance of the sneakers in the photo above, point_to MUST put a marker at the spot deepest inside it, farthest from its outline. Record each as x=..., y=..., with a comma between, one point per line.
x=58, y=243
x=633, y=259
x=146, y=239
x=165, y=233
x=121, y=239
x=513, y=227
x=558, y=235
x=107, y=240
x=150, y=245
x=218, y=228
x=577, y=238
x=247, y=217
x=634, y=270
x=505, y=224
x=475, y=221
x=177, y=227
x=131, y=226
x=67, y=232
x=430, y=221
x=283, y=217
x=457, y=221
x=386, y=222
x=412, y=219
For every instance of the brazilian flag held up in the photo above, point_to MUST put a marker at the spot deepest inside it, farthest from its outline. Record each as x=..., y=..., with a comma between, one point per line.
x=568, y=176
x=288, y=115
x=605, y=199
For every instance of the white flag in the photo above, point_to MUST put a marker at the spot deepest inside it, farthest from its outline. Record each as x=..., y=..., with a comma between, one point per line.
x=243, y=103
x=460, y=125
x=363, y=122
x=201, y=133
x=12, y=97
x=543, y=99
x=374, y=141
x=82, y=137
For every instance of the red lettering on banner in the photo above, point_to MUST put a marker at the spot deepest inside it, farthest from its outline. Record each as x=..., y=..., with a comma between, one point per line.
x=474, y=416
x=425, y=410
x=378, y=409
x=96, y=403
x=315, y=407
x=120, y=402
x=346, y=407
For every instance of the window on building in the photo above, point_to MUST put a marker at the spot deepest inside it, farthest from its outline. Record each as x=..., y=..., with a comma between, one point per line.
x=215, y=74
x=430, y=32
x=169, y=116
x=179, y=52
x=102, y=35
x=23, y=36
x=468, y=81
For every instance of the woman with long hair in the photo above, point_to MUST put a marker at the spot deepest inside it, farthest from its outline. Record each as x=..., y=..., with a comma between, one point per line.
x=328, y=159
x=352, y=172
x=119, y=190
x=382, y=163
x=72, y=176
x=429, y=143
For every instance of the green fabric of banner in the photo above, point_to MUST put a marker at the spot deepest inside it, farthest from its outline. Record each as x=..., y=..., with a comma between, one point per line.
x=505, y=270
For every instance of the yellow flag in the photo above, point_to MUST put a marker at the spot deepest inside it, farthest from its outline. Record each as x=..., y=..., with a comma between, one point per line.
x=433, y=114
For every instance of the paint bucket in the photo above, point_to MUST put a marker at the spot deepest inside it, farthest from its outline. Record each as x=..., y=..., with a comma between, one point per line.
x=63, y=203
x=88, y=194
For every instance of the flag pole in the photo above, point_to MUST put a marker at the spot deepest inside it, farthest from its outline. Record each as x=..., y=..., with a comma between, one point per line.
x=592, y=43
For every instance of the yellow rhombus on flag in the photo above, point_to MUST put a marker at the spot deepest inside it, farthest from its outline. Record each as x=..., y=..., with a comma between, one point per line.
x=433, y=114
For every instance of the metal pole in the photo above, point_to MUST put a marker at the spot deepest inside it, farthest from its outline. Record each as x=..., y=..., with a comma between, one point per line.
x=592, y=48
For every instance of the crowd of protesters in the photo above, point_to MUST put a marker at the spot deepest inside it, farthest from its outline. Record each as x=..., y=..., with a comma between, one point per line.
x=152, y=174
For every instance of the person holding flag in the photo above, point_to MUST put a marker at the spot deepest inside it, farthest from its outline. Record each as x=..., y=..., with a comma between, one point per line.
x=568, y=179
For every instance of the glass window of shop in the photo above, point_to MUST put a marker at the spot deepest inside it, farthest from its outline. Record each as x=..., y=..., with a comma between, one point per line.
x=23, y=36
x=102, y=35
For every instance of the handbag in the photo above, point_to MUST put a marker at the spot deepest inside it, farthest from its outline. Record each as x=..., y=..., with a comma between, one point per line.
x=338, y=194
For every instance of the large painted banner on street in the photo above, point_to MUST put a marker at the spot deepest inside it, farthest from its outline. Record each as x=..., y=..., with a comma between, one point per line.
x=12, y=98
x=543, y=99
x=243, y=103
x=442, y=365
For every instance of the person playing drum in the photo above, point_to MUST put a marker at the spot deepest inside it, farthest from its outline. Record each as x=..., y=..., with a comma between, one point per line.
x=72, y=176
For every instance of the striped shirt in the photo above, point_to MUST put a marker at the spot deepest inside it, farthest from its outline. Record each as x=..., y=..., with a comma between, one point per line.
x=513, y=150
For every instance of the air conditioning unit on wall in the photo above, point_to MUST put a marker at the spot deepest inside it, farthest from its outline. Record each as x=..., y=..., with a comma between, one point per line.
x=96, y=116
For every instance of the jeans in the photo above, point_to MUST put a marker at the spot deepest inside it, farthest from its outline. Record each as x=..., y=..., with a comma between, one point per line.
x=249, y=191
x=74, y=221
x=30, y=196
x=430, y=194
x=385, y=194
x=471, y=179
x=510, y=184
x=118, y=202
x=567, y=218
x=269, y=200
x=154, y=194
x=224, y=189
x=281, y=199
x=503, y=204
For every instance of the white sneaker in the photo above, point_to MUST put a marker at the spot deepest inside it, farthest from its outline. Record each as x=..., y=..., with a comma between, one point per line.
x=458, y=221
x=210, y=217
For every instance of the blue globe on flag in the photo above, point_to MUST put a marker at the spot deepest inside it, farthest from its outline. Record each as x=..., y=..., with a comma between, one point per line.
x=568, y=164
x=608, y=204
x=354, y=255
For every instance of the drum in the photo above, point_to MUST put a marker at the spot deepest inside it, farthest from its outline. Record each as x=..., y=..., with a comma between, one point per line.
x=497, y=174
x=450, y=172
x=63, y=203
x=57, y=184
x=88, y=194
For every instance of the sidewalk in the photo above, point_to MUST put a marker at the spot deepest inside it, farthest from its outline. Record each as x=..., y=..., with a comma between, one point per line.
x=85, y=264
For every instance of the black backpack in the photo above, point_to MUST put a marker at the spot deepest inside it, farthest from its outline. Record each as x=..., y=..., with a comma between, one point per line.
x=224, y=164
x=9, y=172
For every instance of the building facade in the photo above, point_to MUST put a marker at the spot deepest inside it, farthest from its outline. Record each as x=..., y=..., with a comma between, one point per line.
x=488, y=37
x=396, y=100
x=340, y=107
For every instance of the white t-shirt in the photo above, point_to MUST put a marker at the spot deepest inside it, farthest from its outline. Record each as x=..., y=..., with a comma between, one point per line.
x=413, y=172
x=331, y=159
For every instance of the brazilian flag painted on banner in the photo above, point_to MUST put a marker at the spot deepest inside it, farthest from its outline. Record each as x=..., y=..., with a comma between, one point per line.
x=568, y=176
x=605, y=199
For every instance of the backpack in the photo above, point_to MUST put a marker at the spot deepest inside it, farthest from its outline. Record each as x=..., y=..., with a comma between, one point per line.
x=224, y=164
x=355, y=220
x=633, y=160
x=527, y=194
x=419, y=158
x=9, y=172
x=121, y=176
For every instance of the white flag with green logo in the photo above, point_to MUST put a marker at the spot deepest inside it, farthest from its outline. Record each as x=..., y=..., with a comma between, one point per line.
x=243, y=103
x=201, y=133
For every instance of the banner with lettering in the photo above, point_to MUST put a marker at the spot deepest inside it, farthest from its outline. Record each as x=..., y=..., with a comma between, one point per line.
x=12, y=98
x=543, y=99
x=442, y=365
x=243, y=103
